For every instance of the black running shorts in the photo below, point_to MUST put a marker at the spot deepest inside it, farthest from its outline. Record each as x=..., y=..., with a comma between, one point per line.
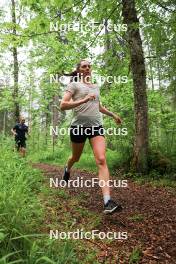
x=20, y=143
x=79, y=134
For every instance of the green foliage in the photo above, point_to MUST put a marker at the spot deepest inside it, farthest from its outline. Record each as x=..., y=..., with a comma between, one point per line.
x=135, y=256
x=50, y=52
x=21, y=214
x=137, y=218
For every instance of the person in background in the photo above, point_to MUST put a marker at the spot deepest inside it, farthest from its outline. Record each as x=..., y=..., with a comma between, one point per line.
x=19, y=131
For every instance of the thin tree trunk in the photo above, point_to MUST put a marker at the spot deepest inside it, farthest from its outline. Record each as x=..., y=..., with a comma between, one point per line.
x=159, y=74
x=107, y=40
x=30, y=102
x=140, y=151
x=47, y=122
x=150, y=61
x=15, y=67
x=55, y=117
x=107, y=47
x=4, y=122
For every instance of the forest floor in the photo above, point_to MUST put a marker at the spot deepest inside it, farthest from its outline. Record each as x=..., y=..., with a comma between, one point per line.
x=148, y=217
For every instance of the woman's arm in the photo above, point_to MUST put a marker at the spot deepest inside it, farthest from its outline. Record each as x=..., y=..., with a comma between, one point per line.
x=67, y=104
x=105, y=111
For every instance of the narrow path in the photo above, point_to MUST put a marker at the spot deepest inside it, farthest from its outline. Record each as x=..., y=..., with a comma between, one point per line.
x=149, y=217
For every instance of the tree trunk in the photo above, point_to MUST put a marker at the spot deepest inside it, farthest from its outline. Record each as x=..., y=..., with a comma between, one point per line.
x=30, y=102
x=55, y=118
x=15, y=67
x=150, y=61
x=4, y=122
x=47, y=122
x=107, y=40
x=140, y=151
x=159, y=72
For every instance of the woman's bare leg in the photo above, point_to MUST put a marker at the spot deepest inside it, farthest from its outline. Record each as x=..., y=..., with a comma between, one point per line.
x=98, y=145
x=77, y=149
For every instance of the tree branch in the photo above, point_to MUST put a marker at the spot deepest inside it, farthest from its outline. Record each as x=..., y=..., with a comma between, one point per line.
x=164, y=7
x=102, y=28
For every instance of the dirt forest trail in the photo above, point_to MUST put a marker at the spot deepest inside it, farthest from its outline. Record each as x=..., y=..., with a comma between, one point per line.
x=148, y=217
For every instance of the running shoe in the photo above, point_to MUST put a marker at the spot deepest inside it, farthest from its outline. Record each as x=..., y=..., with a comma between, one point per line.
x=112, y=207
x=66, y=175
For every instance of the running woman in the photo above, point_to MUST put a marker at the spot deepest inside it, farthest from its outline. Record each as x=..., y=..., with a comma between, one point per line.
x=83, y=97
x=19, y=131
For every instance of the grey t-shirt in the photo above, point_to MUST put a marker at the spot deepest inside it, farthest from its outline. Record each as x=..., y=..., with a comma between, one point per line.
x=86, y=114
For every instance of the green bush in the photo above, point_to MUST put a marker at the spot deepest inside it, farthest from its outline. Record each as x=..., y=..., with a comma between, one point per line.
x=21, y=214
